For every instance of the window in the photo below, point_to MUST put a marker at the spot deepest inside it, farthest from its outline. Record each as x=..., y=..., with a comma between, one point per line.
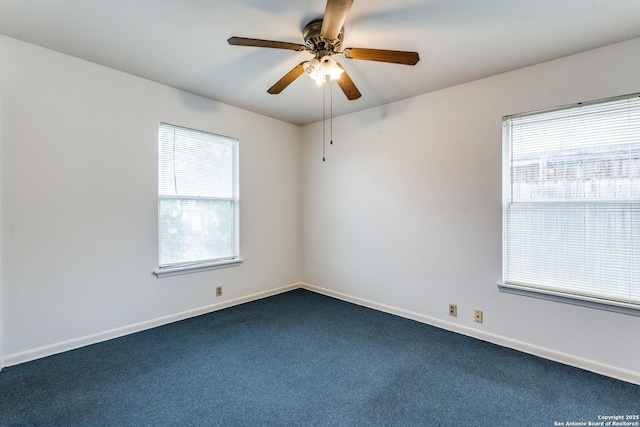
x=571, y=201
x=198, y=200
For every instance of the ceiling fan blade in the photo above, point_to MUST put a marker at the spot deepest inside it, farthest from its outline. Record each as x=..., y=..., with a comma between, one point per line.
x=243, y=41
x=334, y=16
x=288, y=78
x=392, y=56
x=347, y=85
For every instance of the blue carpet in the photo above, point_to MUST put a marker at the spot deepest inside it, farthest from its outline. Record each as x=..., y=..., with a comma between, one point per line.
x=303, y=359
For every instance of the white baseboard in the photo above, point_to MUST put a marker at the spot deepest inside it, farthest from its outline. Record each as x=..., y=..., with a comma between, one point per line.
x=49, y=350
x=556, y=356
x=567, y=359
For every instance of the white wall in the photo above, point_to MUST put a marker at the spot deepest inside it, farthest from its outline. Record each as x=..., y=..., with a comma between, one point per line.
x=405, y=214
x=1, y=332
x=79, y=202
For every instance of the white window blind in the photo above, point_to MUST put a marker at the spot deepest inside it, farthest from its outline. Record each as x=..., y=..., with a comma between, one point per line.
x=571, y=201
x=198, y=197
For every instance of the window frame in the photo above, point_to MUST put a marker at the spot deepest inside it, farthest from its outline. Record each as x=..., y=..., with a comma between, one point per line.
x=567, y=295
x=172, y=269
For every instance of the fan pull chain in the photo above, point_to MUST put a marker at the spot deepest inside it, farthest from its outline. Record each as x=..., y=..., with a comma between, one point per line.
x=331, y=110
x=323, y=126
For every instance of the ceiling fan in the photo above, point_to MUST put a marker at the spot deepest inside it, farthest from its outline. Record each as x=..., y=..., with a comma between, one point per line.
x=323, y=39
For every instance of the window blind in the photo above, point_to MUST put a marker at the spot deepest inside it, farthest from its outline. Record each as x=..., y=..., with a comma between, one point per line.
x=197, y=197
x=571, y=199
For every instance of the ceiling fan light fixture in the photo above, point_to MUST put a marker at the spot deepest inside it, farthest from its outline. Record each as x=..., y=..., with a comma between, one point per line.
x=331, y=68
x=322, y=70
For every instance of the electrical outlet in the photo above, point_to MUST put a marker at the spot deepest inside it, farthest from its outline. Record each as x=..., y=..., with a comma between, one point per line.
x=218, y=291
x=453, y=310
x=477, y=316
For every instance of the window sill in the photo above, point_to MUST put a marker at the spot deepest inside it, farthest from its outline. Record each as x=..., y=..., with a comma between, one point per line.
x=196, y=268
x=580, y=300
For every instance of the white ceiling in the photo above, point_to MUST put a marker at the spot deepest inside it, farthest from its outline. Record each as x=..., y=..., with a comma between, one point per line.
x=182, y=43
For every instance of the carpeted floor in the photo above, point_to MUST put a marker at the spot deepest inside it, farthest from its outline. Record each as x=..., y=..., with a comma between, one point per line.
x=303, y=359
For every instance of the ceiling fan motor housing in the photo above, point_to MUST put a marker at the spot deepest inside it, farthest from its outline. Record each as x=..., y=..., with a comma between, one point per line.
x=317, y=44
